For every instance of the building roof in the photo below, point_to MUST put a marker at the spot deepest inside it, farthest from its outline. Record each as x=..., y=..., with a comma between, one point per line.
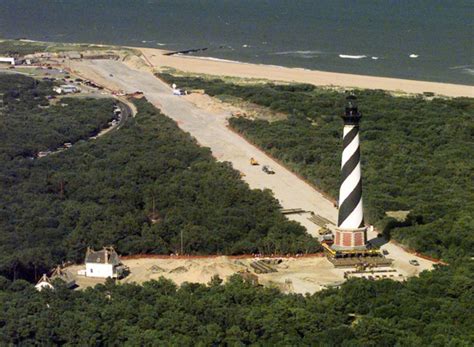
x=44, y=282
x=104, y=256
x=68, y=86
x=64, y=275
x=44, y=279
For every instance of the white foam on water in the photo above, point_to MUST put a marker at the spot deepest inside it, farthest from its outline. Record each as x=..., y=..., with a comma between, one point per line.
x=469, y=71
x=458, y=67
x=374, y=58
x=160, y=44
x=347, y=56
x=466, y=69
x=315, y=52
x=215, y=59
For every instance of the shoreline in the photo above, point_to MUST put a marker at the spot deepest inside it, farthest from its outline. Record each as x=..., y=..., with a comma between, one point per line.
x=231, y=68
x=238, y=69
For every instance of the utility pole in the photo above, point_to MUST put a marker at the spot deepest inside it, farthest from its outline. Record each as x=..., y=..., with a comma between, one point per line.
x=153, y=208
x=182, y=252
x=61, y=189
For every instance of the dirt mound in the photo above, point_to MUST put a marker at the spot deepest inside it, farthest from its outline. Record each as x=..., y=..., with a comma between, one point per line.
x=179, y=270
x=156, y=269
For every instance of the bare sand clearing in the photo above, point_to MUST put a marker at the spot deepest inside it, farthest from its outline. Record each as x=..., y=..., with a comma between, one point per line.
x=207, y=123
x=209, y=127
x=294, y=275
x=319, y=78
x=211, y=104
x=234, y=107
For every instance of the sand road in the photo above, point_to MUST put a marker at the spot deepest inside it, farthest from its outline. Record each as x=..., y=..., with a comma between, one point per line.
x=210, y=130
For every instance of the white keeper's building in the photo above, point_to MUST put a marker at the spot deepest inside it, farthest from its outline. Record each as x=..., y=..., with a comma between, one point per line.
x=104, y=263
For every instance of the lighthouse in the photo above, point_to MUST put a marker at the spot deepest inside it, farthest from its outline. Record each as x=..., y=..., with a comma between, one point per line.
x=351, y=233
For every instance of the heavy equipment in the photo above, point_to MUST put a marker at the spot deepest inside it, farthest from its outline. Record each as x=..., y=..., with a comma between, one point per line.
x=253, y=161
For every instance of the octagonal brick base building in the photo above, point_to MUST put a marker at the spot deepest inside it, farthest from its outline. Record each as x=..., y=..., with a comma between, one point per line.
x=350, y=239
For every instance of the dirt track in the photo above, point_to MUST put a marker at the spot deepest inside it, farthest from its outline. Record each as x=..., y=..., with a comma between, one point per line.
x=210, y=130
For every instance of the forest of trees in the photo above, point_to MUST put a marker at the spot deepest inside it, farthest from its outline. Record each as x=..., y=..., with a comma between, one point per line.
x=16, y=47
x=435, y=309
x=102, y=192
x=33, y=123
x=417, y=154
x=19, y=48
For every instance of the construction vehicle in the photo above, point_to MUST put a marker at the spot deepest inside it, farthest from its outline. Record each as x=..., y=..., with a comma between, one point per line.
x=328, y=239
x=268, y=170
x=324, y=231
x=253, y=161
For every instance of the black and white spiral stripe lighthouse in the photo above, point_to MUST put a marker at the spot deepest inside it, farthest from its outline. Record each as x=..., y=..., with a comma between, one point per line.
x=350, y=233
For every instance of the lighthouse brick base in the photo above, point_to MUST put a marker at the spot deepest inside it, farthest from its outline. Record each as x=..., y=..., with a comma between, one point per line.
x=350, y=239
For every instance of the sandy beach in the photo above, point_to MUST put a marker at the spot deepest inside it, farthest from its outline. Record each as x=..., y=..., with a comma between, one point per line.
x=217, y=67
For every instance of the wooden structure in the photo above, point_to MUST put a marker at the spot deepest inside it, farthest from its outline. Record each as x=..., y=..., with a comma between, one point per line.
x=354, y=258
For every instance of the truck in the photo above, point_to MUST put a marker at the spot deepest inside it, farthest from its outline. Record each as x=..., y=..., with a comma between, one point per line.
x=253, y=161
x=268, y=170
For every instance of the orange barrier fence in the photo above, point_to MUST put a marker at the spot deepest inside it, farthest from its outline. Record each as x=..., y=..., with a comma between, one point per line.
x=324, y=194
x=435, y=260
x=212, y=256
x=423, y=256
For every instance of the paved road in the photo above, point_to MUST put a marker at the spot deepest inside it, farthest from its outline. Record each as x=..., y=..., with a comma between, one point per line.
x=210, y=130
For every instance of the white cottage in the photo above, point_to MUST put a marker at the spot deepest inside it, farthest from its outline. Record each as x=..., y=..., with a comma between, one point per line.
x=64, y=275
x=43, y=283
x=104, y=263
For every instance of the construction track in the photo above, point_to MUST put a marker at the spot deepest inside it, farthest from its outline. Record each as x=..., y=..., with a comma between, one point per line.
x=210, y=129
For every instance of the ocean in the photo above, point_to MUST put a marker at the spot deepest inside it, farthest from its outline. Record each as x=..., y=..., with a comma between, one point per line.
x=424, y=40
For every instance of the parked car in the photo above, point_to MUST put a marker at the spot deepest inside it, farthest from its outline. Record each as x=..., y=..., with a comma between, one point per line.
x=414, y=262
x=179, y=92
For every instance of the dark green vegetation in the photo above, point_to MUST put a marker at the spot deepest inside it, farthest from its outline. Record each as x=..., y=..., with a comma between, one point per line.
x=29, y=124
x=417, y=154
x=21, y=48
x=101, y=193
x=14, y=47
x=435, y=309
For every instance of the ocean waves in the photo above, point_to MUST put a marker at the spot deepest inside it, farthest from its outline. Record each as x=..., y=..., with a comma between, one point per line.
x=307, y=54
x=301, y=54
x=347, y=56
x=465, y=69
